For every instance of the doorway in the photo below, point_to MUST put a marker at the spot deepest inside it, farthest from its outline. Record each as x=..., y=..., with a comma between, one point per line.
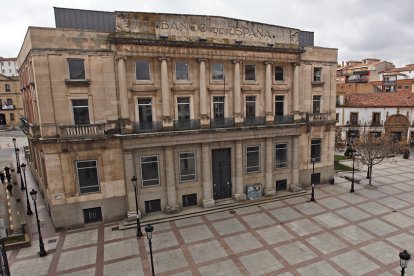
x=221, y=173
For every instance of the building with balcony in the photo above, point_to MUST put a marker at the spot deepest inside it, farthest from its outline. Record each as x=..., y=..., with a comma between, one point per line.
x=377, y=113
x=397, y=79
x=196, y=107
x=11, y=105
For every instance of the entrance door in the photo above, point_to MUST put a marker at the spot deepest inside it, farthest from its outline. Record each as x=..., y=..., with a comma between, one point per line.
x=221, y=174
x=2, y=119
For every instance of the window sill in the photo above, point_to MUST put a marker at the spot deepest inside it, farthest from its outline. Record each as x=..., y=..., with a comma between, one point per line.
x=318, y=83
x=84, y=82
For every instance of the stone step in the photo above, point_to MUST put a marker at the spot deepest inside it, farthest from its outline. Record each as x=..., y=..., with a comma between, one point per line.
x=221, y=205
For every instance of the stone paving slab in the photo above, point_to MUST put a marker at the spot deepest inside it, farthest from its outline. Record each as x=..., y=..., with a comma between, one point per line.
x=339, y=234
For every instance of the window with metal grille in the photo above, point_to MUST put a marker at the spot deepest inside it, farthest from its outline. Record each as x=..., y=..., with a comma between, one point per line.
x=189, y=200
x=152, y=206
x=92, y=215
x=281, y=185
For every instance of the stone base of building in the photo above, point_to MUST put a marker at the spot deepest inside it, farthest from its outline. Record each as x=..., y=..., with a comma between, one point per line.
x=240, y=197
x=295, y=188
x=270, y=192
x=172, y=209
x=208, y=203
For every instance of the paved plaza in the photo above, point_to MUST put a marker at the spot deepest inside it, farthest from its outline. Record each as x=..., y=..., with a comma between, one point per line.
x=341, y=234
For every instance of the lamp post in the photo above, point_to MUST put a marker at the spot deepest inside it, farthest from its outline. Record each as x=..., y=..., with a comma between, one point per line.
x=313, y=184
x=134, y=183
x=16, y=151
x=353, y=168
x=348, y=125
x=5, y=263
x=29, y=209
x=42, y=252
x=148, y=229
x=404, y=258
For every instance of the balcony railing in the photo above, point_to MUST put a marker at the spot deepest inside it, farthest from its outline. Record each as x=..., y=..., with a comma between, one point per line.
x=283, y=119
x=222, y=122
x=376, y=123
x=186, y=124
x=147, y=127
x=28, y=128
x=90, y=130
x=254, y=120
x=318, y=117
x=8, y=107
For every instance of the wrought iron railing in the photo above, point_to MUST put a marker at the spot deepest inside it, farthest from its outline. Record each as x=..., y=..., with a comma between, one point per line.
x=222, y=122
x=28, y=128
x=186, y=124
x=318, y=117
x=153, y=126
x=254, y=120
x=284, y=119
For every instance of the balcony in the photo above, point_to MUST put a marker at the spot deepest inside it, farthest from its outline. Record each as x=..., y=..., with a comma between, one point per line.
x=186, y=124
x=29, y=129
x=8, y=107
x=153, y=126
x=283, y=119
x=222, y=122
x=254, y=120
x=77, y=131
x=318, y=117
x=376, y=123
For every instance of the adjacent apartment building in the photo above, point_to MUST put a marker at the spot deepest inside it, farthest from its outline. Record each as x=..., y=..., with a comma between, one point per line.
x=197, y=108
x=11, y=105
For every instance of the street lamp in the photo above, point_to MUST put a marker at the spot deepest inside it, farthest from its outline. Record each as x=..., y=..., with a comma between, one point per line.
x=353, y=168
x=134, y=183
x=312, y=179
x=16, y=151
x=29, y=209
x=42, y=252
x=404, y=258
x=5, y=267
x=348, y=125
x=149, y=228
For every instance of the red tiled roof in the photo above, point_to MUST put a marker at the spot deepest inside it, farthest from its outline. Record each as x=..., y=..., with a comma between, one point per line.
x=409, y=67
x=384, y=99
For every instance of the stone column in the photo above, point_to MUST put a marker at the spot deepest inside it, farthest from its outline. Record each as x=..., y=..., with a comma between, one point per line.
x=295, y=185
x=165, y=94
x=123, y=92
x=130, y=170
x=203, y=93
x=296, y=91
x=239, y=195
x=268, y=93
x=172, y=205
x=270, y=190
x=236, y=94
x=208, y=200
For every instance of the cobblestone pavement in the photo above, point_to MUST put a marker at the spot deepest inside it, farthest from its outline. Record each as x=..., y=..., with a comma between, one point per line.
x=341, y=234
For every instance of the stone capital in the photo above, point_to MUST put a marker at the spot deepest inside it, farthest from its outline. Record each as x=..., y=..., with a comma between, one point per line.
x=268, y=62
x=120, y=58
x=163, y=58
x=236, y=61
x=201, y=59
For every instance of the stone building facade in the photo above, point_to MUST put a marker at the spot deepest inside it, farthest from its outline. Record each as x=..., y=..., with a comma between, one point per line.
x=198, y=108
x=11, y=105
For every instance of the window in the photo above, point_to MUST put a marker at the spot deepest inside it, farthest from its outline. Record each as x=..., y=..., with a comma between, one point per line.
x=152, y=206
x=376, y=118
x=316, y=150
x=279, y=105
x=7, y=87
x=253, y=159
x=11, y=116
x=87, y=176
x=142, y=69
x=218, y=107
x=281, y=185
x=354, y=118
x=189, y=200
x=145, y=113
x=317, y=73
x=218, y=71
x=317, y=104
x=399, y=87
x=92, y=215
x=183, y=108
x=250, y=106
x=181, y=71
x=9, y=102
x=80, y=112
x=338, y=101
x=281, y=156
x=396, y=136
x=406, y=87
x=250, y=72
x=149, y=170
x=279, y=73
x=337, y=117
x=76, y=69
x=187, y=166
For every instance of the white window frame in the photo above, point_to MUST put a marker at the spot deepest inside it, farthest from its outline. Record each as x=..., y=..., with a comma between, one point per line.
x=97, y=175
x=191, y=105
x=195, y=166
x=246, y=158
x=158, y=168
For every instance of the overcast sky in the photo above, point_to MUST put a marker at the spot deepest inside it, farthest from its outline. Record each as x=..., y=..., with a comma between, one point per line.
x=359, y=29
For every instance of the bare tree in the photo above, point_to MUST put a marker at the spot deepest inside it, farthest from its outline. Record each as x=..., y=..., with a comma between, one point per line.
x=373, y=150
x=340, y=143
